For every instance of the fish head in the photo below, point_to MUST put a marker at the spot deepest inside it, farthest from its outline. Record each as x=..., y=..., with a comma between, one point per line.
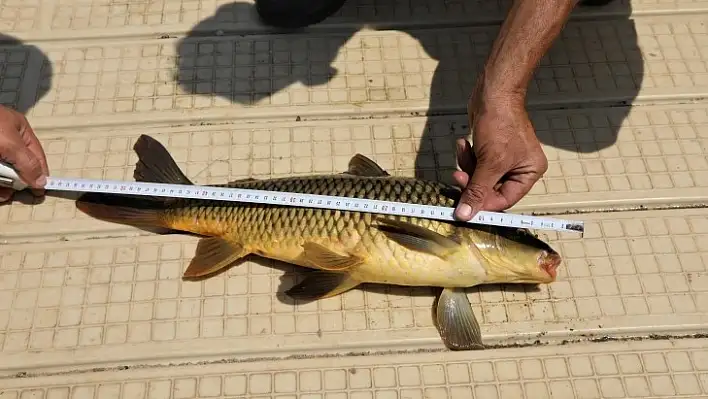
x=511, y=255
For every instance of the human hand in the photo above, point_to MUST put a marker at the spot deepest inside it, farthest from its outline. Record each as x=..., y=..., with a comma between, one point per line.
x=505, y=161
x=20, y=148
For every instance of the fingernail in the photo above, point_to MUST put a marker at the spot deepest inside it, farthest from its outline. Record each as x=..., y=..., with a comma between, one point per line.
x=41, y=181
x=4, y=197
x=464, y=211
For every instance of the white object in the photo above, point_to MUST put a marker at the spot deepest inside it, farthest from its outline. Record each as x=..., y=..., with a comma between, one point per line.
x=10, y=178
x=292, y=199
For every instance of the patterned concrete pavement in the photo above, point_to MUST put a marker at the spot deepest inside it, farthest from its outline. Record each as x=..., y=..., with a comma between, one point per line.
x=97, y=310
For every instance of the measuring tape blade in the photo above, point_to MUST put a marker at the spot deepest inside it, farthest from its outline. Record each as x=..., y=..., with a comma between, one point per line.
x=307, y=200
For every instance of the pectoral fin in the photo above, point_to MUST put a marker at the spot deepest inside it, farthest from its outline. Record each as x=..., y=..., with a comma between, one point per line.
x=213, y=253
x=320, y=285
x=417, y=238
x=456, y=321
x=326, y=259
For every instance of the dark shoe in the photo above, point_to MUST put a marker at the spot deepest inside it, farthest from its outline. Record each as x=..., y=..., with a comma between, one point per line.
x=295, y=14
x=595, y=3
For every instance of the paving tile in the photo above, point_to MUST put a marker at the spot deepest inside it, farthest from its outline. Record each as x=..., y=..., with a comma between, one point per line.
x=653, y=156
x=98, y=18
x=19, y=16
x=91, y=309
x=358, y=72
x=122, y=300
x=620, y=369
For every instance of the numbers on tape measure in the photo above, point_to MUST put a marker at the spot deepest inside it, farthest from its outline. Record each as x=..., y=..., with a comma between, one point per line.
x=331, y=202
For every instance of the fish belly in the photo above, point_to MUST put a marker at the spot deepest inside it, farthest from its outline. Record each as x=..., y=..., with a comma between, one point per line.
x=383, y=260
x=391, y=263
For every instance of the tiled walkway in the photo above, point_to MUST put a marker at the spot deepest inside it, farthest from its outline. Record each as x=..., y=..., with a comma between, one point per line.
x=97, y=310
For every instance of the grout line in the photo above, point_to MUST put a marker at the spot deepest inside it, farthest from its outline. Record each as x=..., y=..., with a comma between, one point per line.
x=46, y=16
x=50, y=132
x=255, y=28
x=121, y=232
x=344, y=112
x=407, y=350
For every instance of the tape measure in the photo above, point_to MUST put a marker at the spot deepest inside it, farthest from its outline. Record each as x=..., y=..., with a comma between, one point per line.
x=9, y=178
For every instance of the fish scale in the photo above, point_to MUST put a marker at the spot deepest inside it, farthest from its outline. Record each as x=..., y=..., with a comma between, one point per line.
x=259, y=222
x=271, y=230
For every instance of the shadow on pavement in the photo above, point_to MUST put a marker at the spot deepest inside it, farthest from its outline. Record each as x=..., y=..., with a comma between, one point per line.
x=25, y=74
x=600, y=57
x=25, y=78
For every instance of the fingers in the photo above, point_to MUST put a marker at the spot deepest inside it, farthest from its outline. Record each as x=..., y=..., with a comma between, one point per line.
x=512, y=191
x=461, y=178
x=5, y=194
x=20, y=147
x=28, y=167
x=35, y=147
x=465, y=156
x=477, y=183
x=466, y=160
x=478, y=188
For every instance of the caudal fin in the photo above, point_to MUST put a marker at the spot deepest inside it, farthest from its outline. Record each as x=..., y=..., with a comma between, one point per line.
x=137, y=212
x=155, y=164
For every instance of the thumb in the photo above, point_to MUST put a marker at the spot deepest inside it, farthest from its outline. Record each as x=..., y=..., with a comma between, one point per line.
x=28, y=167
x=5, y=194
x=479, y=186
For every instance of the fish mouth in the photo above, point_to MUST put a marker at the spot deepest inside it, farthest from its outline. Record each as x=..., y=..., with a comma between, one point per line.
x=549, y=262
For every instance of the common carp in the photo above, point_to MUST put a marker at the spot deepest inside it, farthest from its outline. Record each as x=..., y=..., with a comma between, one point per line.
x=344, y=248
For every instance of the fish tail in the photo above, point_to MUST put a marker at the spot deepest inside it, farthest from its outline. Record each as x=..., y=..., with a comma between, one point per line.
x=155, y=164
x=123, y=210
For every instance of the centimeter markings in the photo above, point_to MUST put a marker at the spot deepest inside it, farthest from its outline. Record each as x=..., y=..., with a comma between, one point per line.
x=306, y=200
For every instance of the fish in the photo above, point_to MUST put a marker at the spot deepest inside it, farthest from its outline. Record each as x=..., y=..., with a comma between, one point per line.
x=341, y=249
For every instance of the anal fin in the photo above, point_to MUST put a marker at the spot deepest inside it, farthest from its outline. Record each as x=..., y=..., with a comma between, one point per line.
x=213, y=254
x=326, y=259
x=318, y=285
x=456, y=322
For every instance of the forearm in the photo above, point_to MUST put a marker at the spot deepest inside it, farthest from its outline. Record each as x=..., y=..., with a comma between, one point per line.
x=525, y=36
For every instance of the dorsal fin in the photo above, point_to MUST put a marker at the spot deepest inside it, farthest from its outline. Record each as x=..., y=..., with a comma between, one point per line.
x=155, y=164
x=360, y=165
